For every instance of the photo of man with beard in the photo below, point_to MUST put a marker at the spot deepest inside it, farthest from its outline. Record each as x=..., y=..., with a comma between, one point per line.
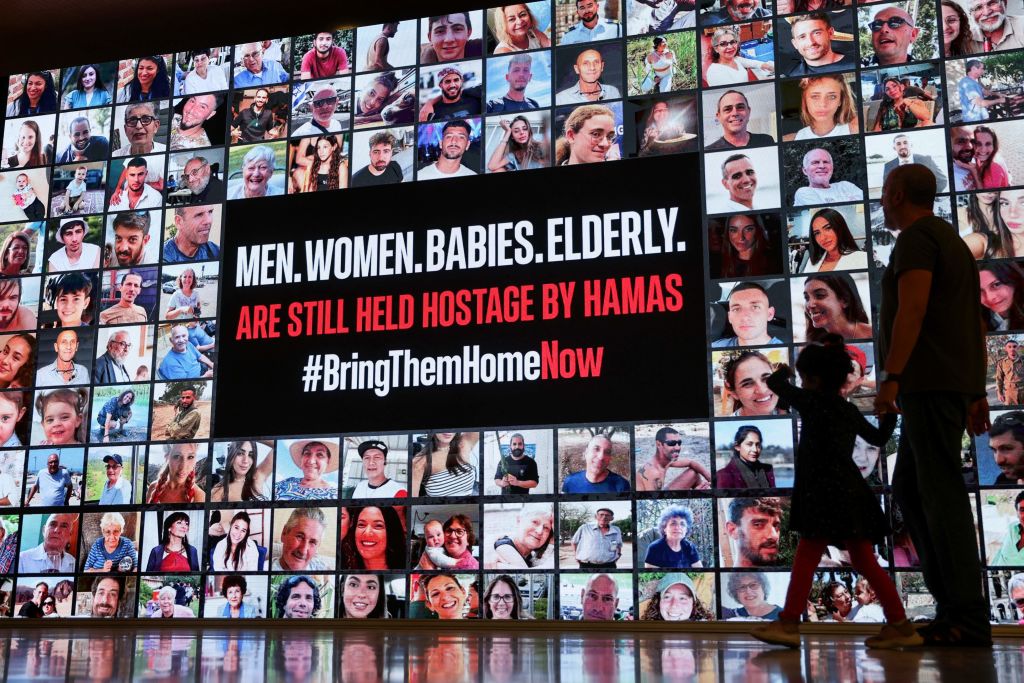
x=456, y=139
x=199, y=182
x=753, y=531
x=732, y=11
x=995, y=30
x=128, y=236
x=455, y=99
x=193, y=122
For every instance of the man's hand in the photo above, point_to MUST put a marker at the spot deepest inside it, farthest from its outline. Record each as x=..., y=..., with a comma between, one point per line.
x=978, y=422
x=885, y=399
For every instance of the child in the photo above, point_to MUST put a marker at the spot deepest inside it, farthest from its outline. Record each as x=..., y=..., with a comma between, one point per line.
x=61, y=414
x=70, y=295
x=75, y=192
x=433, y=553
x=832, y=504
x=25, y=198
x=12, y=410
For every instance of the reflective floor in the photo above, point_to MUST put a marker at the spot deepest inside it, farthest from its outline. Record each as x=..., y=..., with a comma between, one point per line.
x=415, y=657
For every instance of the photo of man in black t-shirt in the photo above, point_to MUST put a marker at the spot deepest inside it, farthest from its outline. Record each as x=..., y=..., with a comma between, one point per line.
x=382, y=169
x=455, y=100
x=517, y=473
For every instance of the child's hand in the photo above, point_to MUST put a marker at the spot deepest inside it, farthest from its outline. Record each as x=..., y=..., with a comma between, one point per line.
x=785, y=368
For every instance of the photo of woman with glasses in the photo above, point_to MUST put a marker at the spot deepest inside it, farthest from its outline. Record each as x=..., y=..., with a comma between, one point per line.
x=727, y=66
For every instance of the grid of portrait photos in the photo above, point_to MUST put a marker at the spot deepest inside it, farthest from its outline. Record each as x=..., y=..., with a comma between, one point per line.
x=117, y=500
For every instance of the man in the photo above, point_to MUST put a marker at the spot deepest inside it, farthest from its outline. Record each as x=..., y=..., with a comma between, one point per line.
x=377, y=54
x=256, y=69
x=197, y=334
x=1009, y=375
x=975, y=99
x=69, y=295
x=518, y=76
x=651, y=475
x=258, y=167
x=818, y=168
x=76, y=254
x=84, y=146
x=300, y=542
x=932, y=340
x=1016, y=588
x=298, y=597
x=50, y=556
x=994, y=30
x=126, y=311
x=905, y=155
x=141, y=123
x=116, y=489
x=255, y=122
x=749, y=315
x=183, y=361
x=202, y=78
x=1006, y=439
x=450, y=38
x=961, y=147
x=382, y=169
x=187, y=419
x=168, y=608
x=53, y=484
x=600, y=598
x=137, y=193
x=324, y=59
x=755, y=526
x=107, y=592
x=590, y=26
x=892, y=34
x=377, y=484
x=734, y=11
x=131, y=237
x=188, y=129
x=733, y=115
x=739, y=178
x=109, y=367
x=812, y=36
x=191, y=241
x=324, y=102
x=596, y=477
x=197, y=176
x=454, y=101
x=664, y=15
x=598, y=545
x=33, y=608
x=517, y=473
x=1011, y=552
x=63, y=371
x=588, y=88
x=593, y=139
x=455, y=140
x=14, y=316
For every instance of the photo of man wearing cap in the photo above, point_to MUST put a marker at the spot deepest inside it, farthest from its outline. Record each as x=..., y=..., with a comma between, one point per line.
x=455, y=100
x=76, y=254
x=377, y=484
x=316, y=459
x=116, y=489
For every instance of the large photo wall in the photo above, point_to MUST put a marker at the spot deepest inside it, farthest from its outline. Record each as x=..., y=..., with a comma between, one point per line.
x=322, y=326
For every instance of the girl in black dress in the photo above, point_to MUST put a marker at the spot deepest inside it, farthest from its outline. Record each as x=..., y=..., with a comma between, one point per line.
x=832, y=504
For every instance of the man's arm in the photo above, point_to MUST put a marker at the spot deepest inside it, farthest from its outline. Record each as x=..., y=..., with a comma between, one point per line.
x=978, y=422
x=914, y=287
x=68, y=490
x=31, y=492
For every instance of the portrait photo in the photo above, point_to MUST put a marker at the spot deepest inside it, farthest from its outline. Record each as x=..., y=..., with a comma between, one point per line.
x=375, y=466
x=733, y=55
x=519, y=536
x=926, y=147
x=181, y=410
x=588, y=74
x=828, y=171
x=123, y=354
x=140, y=128
x=132, y=238
x=903, y=97
x=24, y=194
x=385, y=99
x=188, y=291
x=105, y=597
x=889, y=35
x=451, y=37
x=675, y=534
x=454, y=90
x=517, y=142
x=115, y=475
x=821, y=239
x=745, y=245
x=318, y=163
x=305, y=539
x=110, y=542
x=738, y=381
x=63, y=358
x=307, y=469
x=241, y=470
x=1004, y=599
x=12, y=476
x=17, y=406
x=128, y=296
x=983, y=88
x=672, y=457
x=136, y=182
x=144, y=79
x=594, y=459
x=589, y=133
x=748, y=313
x=84, y=136
x=28, y=142
x=742, y=180
x=175, y=472
x=606, y=596
x=89, y=85
x=192, y=233
x=373, y=537
x=324, y=54
x=732, y=11
x=199, y=177
x=21, y=252
x=49, y=543
x=585, y=21
x=663, y=125
x=445, y=537
x=237, y=540
x=751, y=533
x=661, y=63
x=74, y=244
x=198, y=121
x=518, y=596
x=443, y=596
x=257, y=170
x=235, y=596
x=514, y=28
x=200, y=71
x=70, y=299
x=54, y=477
x=754, y=454
x=518, y=82
x=259, y=114
x=372, y=596
x=816, y=41
x=59, y=418
x=262, y=62
x=169, y=597
x=737, y=117
x=831, y=303
x=819, y=106
x=980, y=162
x=78, y=189
x=383, y=157
x=450, y=149
x=521, y=462
x=177, y=356
x=32, y=93
x=445, y=464
x=387, y=46
x=321, y=107
x=676, y=596
x=36, y=597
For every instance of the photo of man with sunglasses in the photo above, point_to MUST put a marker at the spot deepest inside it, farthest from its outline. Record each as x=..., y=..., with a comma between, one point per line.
x=653, y=474
x=892, y=35
x=323, y=105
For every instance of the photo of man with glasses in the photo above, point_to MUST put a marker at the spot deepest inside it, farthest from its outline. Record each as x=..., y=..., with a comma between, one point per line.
x=892, y=36
x=141, y=125
x=323, y=106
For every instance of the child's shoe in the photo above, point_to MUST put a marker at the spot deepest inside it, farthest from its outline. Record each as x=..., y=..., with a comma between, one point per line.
x=780, y=632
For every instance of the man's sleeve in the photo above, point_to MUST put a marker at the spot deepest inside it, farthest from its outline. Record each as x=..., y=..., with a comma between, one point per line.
x=915, y=250
x=576, y=536
x=497, y=472
x=534, y=474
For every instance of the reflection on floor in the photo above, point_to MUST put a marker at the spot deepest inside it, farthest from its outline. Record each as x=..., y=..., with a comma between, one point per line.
x=355, y=656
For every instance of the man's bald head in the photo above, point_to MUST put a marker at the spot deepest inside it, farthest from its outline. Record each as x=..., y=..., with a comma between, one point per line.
x=916, y=182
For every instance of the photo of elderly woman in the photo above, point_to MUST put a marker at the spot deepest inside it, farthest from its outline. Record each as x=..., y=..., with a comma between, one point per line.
x=311, y=471
x=677, y=596
x=444, y=537
x=112, y=539
x=753, y=595
x=755, y=454
x=234, y=596
x=374, y=538
x=519, y=536
x=675, y=534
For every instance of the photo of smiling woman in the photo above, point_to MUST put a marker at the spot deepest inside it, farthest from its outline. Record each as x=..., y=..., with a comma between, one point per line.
x=365, y=596
x=311, y=473
x=831, y=303
x=445, y=596
x=676, y=597
x=375, y=538
x=518, y=536
x=247, y=469
x=740, y=382
x=171, y=471
x=1002, y=295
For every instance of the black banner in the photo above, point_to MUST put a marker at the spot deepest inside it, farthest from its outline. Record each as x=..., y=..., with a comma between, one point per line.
x=561, y=295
